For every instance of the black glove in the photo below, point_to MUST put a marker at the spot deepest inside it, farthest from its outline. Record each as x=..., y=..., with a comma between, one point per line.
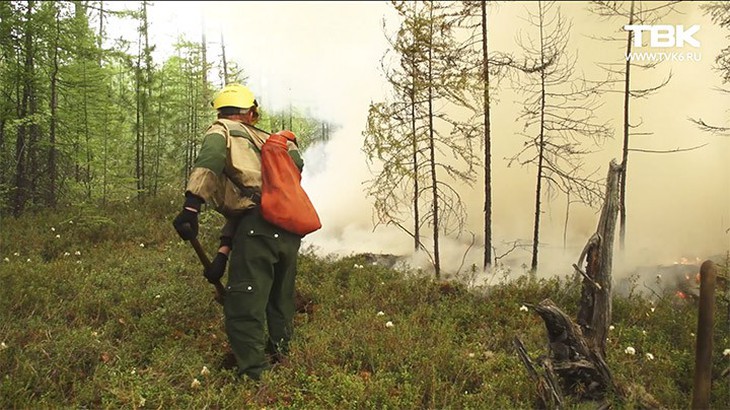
x=217, y=268
x=227, y=241
x=186, y=222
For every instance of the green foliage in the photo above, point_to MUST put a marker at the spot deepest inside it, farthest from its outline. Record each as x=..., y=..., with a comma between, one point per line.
x=95, y=319
x=98, y=118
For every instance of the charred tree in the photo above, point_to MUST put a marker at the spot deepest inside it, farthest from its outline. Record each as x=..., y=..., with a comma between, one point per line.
x=594, y=315
x=577, y=350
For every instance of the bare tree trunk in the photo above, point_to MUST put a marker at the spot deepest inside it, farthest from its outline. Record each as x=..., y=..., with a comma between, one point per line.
x=625, y=149
x=52, y=171
x=432, y=151
x=106, y=115
x=487, y=147
x=87, y=135
x=225, y=64
x=541, y=154
x=414, y=148
x=138, y=122
x=147, y=94
x=565, y=224
x=594, y=315
x=158, y=143
x=204, y=52
x=21, y=180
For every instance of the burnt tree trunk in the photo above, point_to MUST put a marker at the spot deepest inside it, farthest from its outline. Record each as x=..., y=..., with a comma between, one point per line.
x=577, y=350
x=594, y=315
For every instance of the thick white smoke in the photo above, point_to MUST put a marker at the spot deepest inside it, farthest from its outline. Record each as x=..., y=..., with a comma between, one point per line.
x=324, y=57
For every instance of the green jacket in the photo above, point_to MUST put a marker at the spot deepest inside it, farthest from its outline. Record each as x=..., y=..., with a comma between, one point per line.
x=227, y=171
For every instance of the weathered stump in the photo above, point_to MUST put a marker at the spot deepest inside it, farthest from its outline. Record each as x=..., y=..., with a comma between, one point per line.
x=594, y=316
x=577, y=349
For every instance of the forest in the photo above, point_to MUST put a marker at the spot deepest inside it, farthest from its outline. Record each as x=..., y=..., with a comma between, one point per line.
x=88, y=118
x=103, y=306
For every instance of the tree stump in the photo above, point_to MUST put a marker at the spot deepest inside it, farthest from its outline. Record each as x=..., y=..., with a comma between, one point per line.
x=577, y=350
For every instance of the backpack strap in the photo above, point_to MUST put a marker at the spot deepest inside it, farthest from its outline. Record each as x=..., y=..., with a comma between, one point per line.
x=249, y=192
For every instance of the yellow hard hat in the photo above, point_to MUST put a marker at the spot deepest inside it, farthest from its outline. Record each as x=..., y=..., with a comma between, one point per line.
x=234, y=95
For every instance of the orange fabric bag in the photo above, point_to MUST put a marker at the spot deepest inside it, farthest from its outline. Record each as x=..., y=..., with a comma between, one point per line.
x=283, y=200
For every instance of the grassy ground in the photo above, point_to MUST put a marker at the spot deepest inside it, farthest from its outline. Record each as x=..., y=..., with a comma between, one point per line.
x=107, y=308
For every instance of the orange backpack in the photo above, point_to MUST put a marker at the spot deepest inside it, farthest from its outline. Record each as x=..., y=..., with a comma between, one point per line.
x=283, y=200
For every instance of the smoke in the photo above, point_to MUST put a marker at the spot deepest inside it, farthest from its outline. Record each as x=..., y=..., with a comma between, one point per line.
x=325, y=57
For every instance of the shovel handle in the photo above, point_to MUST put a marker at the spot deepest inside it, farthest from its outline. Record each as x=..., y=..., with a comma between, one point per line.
x=220, y=291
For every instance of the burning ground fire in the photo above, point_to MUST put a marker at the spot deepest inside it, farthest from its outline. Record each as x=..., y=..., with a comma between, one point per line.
x=680, y=277
x=689, y=287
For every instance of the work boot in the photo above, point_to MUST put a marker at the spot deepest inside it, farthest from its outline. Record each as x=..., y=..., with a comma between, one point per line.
x=274, y=355
x=228, y=361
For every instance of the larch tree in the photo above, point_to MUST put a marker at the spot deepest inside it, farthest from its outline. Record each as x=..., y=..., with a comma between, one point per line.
x=720, y=14
x=419, y=147
x=473, y=16
x=630, y=13
x=558, y=114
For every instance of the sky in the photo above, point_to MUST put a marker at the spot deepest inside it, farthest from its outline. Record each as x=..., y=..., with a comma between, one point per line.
x=324, y=57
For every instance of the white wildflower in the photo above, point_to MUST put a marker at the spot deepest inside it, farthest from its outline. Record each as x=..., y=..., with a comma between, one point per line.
x=28, y=260
x=381, y=313
x=58, y=236
x=16, y=254
x=53, y=229
x=141, y=245
x=157, y=296
x=611, y=327
x=382, y=283
x=169, y=260
x=523, y=308
x=643, y=332
x=77, y=253
x=726, y=352
x=195, y=384
x=78, y=262
x=471, y=355
x=653, y=309
x=3, y=346
x=649, y=356
x=6, y=260
x=630, y=350
x=66, y=254
x=134, y=371
x=204, y=371
x=389, y=324
x=71, y=222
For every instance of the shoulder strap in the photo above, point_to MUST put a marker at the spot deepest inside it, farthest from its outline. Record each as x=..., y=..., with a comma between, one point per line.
x=228, y=132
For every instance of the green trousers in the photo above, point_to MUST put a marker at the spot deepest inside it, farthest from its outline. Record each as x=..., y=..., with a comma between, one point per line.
x=260, y=292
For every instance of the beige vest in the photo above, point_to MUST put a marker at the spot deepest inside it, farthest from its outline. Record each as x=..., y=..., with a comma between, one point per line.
x=231, y=192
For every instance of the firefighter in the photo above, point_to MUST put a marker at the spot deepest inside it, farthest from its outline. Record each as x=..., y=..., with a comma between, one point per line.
x=259, y=303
